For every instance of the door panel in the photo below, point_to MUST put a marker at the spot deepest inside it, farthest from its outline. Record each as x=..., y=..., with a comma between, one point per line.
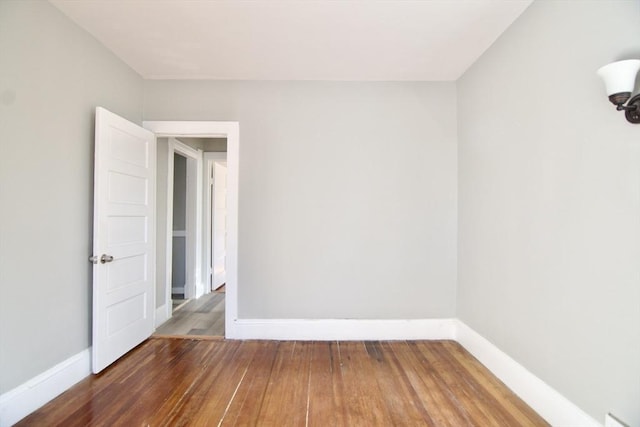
x=124, y=224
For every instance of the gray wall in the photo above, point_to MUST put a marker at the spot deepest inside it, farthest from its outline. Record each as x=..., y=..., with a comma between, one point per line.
x=206, y=144
x=178, y=264
x=549, y=207
x=52, y=76
x=347, y=193
x=179, y=193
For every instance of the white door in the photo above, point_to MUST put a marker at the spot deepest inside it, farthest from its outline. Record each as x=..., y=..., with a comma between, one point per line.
x=219, y=225
x=123, y=237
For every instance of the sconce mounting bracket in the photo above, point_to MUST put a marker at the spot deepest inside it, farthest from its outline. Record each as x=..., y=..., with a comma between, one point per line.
x=633, y=114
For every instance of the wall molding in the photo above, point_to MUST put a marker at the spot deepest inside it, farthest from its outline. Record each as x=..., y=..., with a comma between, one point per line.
x=546, y=401
x=230, y=130
x=26, y=398
x=556, y=409
x=162, y=315
x=343, y=329
x=200, y=289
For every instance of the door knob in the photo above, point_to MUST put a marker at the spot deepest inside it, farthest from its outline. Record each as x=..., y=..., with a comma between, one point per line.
x=106, y=258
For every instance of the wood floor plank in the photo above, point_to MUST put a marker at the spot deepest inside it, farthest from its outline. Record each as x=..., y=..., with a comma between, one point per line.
x=116, y=381
x=441, y=404
x=169, y=382
x=207, y=398
x=81, y=405
x=402, y=399
x=478, y=392
x=288, y=385
x=477, y=413
x=209, y=401
x=457, y=392
x=216, y=328
x=247, y=403
x=203, y=317
x=363, y=397
x=504, y=398
x=325, y=405
x=211, y=303
x=180, y=382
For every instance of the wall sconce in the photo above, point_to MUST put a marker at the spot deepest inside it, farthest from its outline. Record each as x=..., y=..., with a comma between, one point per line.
x=620, y=80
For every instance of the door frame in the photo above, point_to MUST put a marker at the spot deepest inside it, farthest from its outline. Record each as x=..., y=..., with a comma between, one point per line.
x=209, y=159
x=193, y=227
x=230, y=131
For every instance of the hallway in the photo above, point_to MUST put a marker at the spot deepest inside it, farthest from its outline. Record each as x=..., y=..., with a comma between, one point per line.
x=203, y=316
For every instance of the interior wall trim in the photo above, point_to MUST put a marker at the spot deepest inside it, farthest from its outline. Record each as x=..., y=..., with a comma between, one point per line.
x=26, y=398
x=344, y=329
x=162, y=315
x=556, y=409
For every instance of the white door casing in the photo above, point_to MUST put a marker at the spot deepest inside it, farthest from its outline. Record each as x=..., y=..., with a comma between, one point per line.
x=124, y=228
x=230, y=131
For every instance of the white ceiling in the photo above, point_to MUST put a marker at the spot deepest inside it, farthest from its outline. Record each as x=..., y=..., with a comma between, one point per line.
x=433, y=40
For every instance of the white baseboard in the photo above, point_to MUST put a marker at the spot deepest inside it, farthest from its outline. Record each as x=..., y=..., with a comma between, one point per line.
x=177, y=290
x=556, y=409
x=162, y=315
x=611, y=421
x=343, y=329
x=199, y=289
x=26, y=398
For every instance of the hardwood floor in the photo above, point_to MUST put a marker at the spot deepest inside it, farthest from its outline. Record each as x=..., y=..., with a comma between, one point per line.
x=176, y=382
x=204, y=317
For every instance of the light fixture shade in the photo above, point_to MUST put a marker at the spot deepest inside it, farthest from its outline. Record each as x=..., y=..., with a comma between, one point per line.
x=620, y=77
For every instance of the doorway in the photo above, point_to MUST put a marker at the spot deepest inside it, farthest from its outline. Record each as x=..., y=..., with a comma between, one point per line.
x=183, y=214
x=176, y=133
x=201, y=313
x=179, y=233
